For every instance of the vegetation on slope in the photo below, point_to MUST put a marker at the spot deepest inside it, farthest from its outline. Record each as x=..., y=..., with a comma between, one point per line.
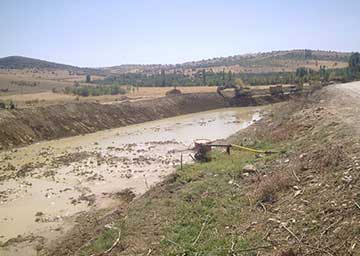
x=86, y=90
x=18, y=62
x=203, y=77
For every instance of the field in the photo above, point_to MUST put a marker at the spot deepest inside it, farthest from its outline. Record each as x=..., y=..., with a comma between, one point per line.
x=33, y=87
x=34, y=81
x=17, y=86
x=42, y=94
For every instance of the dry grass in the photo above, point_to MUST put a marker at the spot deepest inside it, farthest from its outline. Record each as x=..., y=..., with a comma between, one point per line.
x=42, y=94
x=161, y=91
x=267, y=190
x=324, y=158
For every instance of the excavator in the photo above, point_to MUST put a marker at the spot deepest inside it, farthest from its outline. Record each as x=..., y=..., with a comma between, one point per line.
x=239, y=90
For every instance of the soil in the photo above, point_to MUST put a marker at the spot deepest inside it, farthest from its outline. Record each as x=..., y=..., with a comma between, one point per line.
x=309, y=197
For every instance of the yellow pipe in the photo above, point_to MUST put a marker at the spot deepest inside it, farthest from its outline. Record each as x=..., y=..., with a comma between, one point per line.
x=253, y=150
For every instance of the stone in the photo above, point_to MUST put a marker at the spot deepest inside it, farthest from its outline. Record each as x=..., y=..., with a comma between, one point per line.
x=249, y=168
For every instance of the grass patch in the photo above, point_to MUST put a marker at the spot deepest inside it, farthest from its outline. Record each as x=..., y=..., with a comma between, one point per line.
x=209, y=213
x=103, y=241
x=202, y=210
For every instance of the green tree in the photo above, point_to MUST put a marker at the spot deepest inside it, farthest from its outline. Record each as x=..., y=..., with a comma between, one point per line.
x=163, y=78
x=354, y=66
x=301, y=72
x=230, y=77
x=84, y=91
x=203, y=77
x=223, y=77
x=307, y=54
x=88, y=78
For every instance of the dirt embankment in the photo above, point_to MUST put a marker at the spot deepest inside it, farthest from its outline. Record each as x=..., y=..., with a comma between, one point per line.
x=25, y=126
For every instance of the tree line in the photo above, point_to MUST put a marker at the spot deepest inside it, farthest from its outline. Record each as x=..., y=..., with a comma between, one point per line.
x=210, y=78
x=97, y=90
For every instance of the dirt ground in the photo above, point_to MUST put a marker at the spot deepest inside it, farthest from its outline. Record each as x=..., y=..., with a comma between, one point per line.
x=303, y=201
x=309, y=197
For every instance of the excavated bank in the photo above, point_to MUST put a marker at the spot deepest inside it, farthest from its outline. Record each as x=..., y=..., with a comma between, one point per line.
x=25, y=126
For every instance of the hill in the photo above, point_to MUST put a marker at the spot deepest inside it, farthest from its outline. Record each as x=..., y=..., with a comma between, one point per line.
x=19, y=62
x=275, y=61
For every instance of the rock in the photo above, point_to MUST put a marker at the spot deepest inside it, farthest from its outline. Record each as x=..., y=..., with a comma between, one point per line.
x=249, y=168
x=347, y=179
x=38, y=214
x=302, y=156
x=337, y=230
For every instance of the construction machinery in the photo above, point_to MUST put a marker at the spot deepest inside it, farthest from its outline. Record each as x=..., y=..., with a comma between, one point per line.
x=276, y=90
x=239, y=90
x=296, y=89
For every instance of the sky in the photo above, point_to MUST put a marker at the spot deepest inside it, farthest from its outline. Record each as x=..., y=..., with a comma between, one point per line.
x=98, y=33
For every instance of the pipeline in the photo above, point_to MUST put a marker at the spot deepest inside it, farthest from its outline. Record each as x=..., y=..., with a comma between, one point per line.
x=254, y=150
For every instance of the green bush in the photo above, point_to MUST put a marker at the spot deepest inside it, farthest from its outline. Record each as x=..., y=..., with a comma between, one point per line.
x=95, y=90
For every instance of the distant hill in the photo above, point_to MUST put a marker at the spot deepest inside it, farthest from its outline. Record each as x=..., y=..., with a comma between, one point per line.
x=18, y=62
x=275, y=61
x=268, y=57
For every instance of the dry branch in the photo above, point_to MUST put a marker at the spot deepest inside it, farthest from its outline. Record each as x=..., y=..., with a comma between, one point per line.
x=201, y=230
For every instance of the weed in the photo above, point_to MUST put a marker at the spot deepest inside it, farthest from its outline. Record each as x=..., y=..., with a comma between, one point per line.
x=268, y=188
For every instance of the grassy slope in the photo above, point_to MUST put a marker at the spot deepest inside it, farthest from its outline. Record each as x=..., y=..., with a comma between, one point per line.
x=298, y=202
x=200, y=210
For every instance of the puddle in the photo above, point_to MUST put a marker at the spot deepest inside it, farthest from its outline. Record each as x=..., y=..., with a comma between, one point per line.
x=46, y=183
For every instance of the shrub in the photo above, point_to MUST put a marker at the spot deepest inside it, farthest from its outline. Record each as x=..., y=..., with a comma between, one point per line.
x=268, y=188
x=95, y=90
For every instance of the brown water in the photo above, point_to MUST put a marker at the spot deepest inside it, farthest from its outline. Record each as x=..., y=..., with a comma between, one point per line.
x=53, y=180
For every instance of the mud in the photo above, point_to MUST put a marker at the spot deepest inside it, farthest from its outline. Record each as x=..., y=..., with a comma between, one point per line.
x=26, y=126
x=45, y=185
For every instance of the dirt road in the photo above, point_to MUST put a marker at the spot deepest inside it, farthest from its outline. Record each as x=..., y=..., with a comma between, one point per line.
x=343, y=102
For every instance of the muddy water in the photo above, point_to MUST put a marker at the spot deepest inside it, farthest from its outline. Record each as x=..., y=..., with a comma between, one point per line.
x=44, y=185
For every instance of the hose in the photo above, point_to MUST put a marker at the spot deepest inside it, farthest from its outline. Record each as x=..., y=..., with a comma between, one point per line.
x=254, y=150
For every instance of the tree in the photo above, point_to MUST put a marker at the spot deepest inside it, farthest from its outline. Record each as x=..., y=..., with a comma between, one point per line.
x=84, y=92
x=114, y=90
x=88, y=78
x=203, y=77
x=354, y=61
x=307, y=54
x=230, y=78
x=223, y=77
x=354, y=66
x=163, y=81
x=301, y=72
